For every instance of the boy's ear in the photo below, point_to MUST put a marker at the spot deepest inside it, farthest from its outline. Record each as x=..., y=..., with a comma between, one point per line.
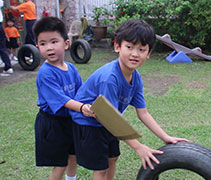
x=116, y=47
x=67, y=44
x=148, y=56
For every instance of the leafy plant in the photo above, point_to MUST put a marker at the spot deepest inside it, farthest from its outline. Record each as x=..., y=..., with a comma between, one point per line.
x=186, y=21
x=101, y=16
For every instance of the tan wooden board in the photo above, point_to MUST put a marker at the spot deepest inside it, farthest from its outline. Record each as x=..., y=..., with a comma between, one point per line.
x=113, y=120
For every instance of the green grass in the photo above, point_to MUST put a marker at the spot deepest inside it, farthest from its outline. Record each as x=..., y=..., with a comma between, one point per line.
x=183, y=111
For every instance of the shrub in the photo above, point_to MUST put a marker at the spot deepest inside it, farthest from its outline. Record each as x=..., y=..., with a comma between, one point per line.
x=186, y=21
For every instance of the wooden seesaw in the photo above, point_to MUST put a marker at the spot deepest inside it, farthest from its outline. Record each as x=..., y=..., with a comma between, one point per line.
x=166, y=39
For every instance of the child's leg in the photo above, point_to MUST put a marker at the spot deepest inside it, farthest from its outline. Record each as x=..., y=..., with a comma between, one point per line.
x=10, y=53
x=9, y=50
x=57, y=173
x=112, y=167
x=107, y=174
x=14, y=51
x=14, y=54
x=99, y=175
x=72, y=167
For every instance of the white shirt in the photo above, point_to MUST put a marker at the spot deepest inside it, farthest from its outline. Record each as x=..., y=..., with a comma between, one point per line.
x=1, y=5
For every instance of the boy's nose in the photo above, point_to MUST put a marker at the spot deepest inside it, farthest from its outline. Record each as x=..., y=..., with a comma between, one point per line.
x=50, y=48
x=135, y=52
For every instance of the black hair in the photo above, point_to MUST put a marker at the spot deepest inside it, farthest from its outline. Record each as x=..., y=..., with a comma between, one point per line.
x=50, y=24
x=10, y=19
x=136, y=31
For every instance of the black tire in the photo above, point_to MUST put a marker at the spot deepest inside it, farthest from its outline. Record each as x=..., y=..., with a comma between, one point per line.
x=189, y=156
x=34, y=53
x=86, y=51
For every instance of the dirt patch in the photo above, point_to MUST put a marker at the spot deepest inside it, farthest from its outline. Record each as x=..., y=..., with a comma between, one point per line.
x=197, y=85
x=158, y=86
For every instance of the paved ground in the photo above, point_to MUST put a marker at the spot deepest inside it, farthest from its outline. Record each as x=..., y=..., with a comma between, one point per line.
x=18, y=75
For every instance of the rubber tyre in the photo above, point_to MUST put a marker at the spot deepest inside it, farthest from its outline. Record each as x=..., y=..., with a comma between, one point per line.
x=30, y=66
x=189, y=156
x=85, y=47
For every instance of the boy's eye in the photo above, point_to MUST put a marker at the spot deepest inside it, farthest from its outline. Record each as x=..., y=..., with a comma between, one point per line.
x=129, y=47
x=42, y=44
x=142, y=50
x=54, y=41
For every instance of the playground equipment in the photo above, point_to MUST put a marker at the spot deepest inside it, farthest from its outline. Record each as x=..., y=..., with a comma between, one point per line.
x=183, y=155
x=166, y=39
x=29, y=62
x=80, y=52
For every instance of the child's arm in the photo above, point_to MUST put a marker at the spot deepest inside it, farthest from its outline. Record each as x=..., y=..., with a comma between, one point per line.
x=144, y=152
x=80, y=107
x=18, y=41
x=14, y=8
x=149, y=121
x=8, y=39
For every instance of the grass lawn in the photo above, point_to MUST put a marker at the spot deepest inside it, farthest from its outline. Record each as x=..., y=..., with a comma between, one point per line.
x=177, y=95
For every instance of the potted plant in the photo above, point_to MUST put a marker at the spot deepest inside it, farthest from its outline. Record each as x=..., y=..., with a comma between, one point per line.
x=101, y=18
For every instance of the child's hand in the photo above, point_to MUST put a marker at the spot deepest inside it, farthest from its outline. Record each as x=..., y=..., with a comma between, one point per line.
x=146, y=155
x=87, y=111
x=174, y=140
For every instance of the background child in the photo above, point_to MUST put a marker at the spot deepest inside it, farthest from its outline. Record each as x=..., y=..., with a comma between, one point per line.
x=28, y=8
x=13, y=39
x=120, y=82
x=57, y=84
x=3, y=50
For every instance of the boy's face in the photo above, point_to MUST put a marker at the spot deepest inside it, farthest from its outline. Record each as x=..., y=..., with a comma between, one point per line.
x=10, y=23
x=52, y=46
x=132, y=56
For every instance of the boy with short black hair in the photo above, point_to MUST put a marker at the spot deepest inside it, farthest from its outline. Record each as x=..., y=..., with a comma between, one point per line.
x=120, y=82
x=57, y=83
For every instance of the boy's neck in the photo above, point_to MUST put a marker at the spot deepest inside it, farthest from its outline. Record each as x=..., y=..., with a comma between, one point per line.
x=126, y=73
x=61, y=65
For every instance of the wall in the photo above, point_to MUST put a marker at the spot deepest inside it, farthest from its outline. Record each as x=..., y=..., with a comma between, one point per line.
x=74, y=10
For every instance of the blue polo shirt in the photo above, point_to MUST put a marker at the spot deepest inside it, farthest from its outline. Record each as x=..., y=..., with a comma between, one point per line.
x=109, y=82
x=56, y=87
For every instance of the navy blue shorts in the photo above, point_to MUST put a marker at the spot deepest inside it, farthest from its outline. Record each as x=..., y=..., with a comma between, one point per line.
x=93, y=146
x=12, y=44
x=53, y=140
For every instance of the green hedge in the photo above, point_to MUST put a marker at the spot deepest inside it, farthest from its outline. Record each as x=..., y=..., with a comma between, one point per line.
x=188, y=22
